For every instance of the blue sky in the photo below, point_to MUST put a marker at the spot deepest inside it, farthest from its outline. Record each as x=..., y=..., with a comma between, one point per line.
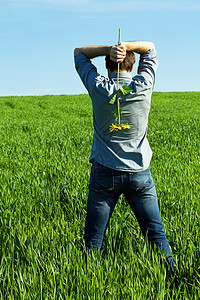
x=38, y=38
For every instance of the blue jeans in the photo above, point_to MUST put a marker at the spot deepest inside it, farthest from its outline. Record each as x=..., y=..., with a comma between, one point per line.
x=106, y=185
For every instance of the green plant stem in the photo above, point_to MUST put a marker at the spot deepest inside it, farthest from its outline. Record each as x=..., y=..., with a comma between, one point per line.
x=118, y=103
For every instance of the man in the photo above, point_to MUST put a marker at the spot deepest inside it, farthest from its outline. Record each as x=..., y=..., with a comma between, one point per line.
x=121, y=159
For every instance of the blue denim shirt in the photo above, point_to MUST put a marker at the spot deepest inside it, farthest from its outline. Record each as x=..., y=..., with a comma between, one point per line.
x=124, y=150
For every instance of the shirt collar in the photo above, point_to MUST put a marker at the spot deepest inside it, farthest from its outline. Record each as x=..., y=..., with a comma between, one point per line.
x=122, y=75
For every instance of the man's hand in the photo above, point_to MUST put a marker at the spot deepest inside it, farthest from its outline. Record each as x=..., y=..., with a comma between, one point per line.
x=118, y=53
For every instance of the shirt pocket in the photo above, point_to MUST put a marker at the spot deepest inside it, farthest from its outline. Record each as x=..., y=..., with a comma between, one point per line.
x=139, y=181
x=101, y=180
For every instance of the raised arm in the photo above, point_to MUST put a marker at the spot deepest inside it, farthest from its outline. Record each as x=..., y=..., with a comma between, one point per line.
x=93, y=51
x=139, y=47
x=118, y=53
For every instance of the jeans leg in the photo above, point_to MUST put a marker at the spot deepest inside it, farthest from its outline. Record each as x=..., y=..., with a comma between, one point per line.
x=99, y=211
x=142, y=197
x=100, y=205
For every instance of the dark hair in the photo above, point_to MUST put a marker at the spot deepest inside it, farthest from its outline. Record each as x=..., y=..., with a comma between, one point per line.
x=127, y=63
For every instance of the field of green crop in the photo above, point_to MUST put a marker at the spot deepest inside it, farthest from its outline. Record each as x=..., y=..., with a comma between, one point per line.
x=45, y=145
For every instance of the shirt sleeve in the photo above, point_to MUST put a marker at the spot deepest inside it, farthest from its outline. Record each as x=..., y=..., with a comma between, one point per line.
x=86, y=70
x=98, y=86
x=147, y=67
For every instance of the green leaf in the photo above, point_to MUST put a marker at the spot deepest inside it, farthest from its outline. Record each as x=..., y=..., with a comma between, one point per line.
x=112, y=101
x=125, y=90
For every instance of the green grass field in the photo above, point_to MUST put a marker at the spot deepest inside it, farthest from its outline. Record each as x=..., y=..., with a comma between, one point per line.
x=45, y=145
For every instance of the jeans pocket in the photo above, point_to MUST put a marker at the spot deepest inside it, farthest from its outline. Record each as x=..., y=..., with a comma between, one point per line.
x=101, y=179
x=141, y=180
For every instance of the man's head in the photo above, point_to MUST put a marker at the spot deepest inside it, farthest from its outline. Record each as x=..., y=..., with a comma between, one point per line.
x=125, y=66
